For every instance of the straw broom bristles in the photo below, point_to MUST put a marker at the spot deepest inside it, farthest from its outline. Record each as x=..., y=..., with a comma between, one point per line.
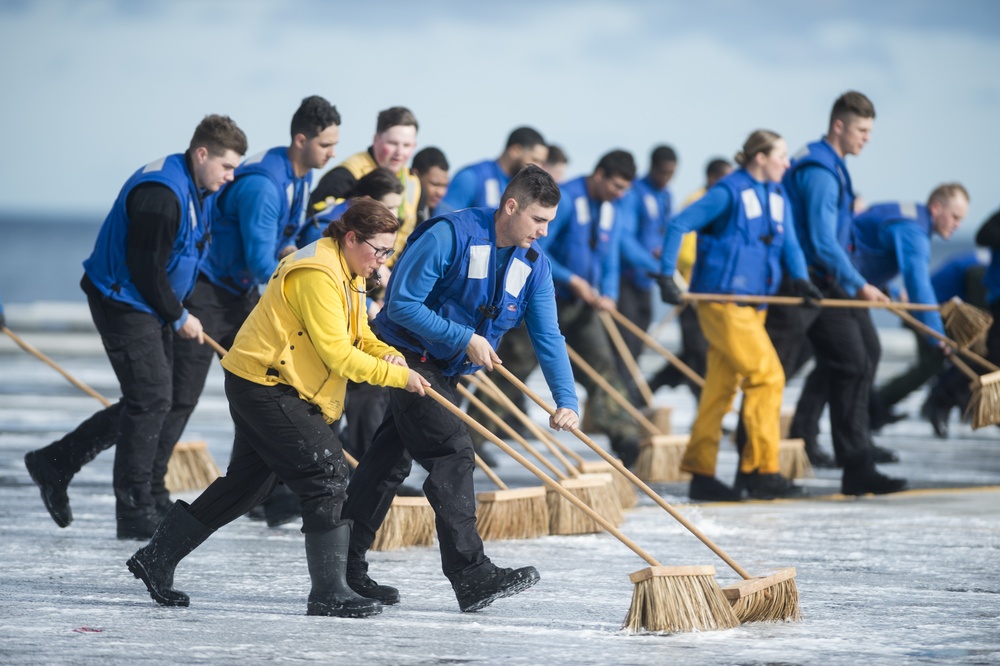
x=773, y=598
x=660, y=457
x=594, y=490
x=793, y=459
x=409, y=522
x=519, y=513
x=674, y=599
x=191, y=467
x=627, y=495
x=660, y=416
x=984, y=406
x=965, y=323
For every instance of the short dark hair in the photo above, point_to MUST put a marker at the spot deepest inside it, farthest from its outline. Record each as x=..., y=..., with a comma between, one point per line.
x=427, y=158
x=663, y=153
x=366, y=218
x=219, y=134
x=313, y=116
x=556, y=155
x=618, y=163
x=378, y=183
x=532, y=184
x=396, y=115
x=526, y=137
x=717, y=168
x=852, y=103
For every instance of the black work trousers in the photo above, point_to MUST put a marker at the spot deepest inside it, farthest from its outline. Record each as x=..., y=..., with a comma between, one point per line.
x=279, y=437
x=418, y=428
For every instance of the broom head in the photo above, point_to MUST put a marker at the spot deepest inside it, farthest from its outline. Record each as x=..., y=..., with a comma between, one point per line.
x=984, y=406
x=771, y=598
x=785, y=419
x=519, y=513
x=793, y=459
x=965, y=323
x=676, y=599
x=660, y=458
x=660, y=416
x=596, y=491
x=409, y=522
x=191, y=467
x=627, y=495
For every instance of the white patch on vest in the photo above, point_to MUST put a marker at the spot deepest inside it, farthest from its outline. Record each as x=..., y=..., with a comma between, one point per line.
x=582, y=210
x=479, y=262
x=155, y=166
x=777, y=207
x=253, y=159
x=908, y=209
x=607, y=216
x=290, y=193
x=751, y=204
x=492, y=193
x=306, y=252
x=517, y=275
x=193, y=213
x=802, y=153
x=652, y=207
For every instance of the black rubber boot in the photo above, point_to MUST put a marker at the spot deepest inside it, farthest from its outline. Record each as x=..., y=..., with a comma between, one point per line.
x=53, y=484
x=326, y=554
x=477, y=591
x=767, y=486
x=864, y=480
x=626, y=447
x=710, y=489
x=360, y=582
x=154, y=563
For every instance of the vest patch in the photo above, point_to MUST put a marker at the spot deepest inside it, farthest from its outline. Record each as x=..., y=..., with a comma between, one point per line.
x=582, y=210
x=777, y=204
x=492, y=193
x=155, y=166
x=517, y=275
x=479, y=262
x=908, y=209
x=652, y=207
x=607, y=216
x=751, y=204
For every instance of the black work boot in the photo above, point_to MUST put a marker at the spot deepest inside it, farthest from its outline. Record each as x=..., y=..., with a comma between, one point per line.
x=626, y=447
x=864, y=480
x=819, y=458
x=135, y=516
x=881, y=454
x=937, y=412
x=154, y=563
x=283, y=506
x=360, y=582
x=478, y=590
x=767, y=486
x=326, y=554
x=710, y=489
x=52, y=483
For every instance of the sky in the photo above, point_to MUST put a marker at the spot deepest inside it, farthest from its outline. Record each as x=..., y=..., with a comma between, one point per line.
x=94, y=89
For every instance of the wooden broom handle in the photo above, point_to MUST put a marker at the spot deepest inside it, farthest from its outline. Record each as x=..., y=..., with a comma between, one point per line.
x=626, y=355
x=612, y=392
x=657, y=347
x=219, y=349
x=797, y=300
x=916, y=323
x=485, y=383
x=48, y=361
x=545, y=478
x=639, y=483
x=476, y=402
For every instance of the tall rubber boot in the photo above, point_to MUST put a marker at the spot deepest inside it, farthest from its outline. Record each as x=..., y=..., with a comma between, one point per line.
x=326, y=554
x=178, y=535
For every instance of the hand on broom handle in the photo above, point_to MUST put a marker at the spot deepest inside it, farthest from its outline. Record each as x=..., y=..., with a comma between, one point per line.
x=656, y=346
x=796, y=300
x=968, y=353
x=626, y=355
x=629, y=475
x=45, y=359
x=612, y=392
x=545, y=478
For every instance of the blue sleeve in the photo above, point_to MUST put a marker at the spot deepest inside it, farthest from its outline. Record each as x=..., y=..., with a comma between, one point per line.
x=258, y=204
x=542, y=322
x=633, y=252
x=461, y=192
x=913, y=253
x=791, y=252
x=611, y=264
x=428, y=260
x=820, y=190
x=560, y=273
x=695, y=217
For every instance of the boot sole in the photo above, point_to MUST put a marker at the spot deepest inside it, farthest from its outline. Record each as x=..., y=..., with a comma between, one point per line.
x=520, y=586
x=325, y=610
x=30, y=466
x=140, y=572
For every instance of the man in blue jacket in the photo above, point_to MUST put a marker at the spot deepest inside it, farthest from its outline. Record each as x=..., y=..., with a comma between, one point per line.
x=143, y=266
x=464, y=279
x=844, y=339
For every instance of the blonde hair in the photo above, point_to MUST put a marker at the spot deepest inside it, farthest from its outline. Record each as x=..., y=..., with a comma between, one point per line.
x=944, y=193
x=759, y=141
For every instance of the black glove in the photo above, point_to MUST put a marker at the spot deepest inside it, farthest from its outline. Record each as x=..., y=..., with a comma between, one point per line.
x=3, y=320
x=807, y=291
x=669, y=291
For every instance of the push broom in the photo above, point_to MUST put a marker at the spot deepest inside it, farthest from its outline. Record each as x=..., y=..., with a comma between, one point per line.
x=665, y=462
x=665, y=599
x=660, y=455
x=627, y=496
x=984, y=405
x=519, y=513
x=965, y=323
x=191, y=466
x=767, y=598
x=596, y=490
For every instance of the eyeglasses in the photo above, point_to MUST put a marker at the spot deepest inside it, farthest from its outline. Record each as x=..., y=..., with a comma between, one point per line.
x=380, y=252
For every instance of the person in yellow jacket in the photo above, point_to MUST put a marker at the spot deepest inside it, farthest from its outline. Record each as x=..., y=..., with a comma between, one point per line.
x=286, y=375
